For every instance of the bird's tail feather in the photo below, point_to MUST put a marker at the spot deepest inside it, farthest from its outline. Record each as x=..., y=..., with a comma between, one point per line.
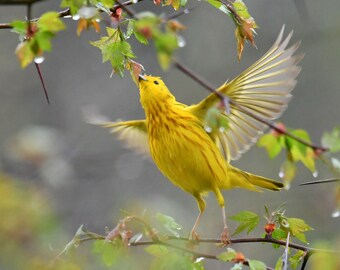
x=251, y=181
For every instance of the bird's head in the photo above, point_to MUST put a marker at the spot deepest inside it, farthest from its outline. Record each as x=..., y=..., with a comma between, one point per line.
x=153, y=90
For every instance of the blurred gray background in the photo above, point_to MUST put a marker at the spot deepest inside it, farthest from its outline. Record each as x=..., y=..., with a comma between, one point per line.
x=90, y=176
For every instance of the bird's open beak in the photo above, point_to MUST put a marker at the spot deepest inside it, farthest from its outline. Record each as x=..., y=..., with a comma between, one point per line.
x=141, y=78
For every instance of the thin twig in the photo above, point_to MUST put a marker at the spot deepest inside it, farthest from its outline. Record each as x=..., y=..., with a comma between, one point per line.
x=323, y=181
x=67, y=12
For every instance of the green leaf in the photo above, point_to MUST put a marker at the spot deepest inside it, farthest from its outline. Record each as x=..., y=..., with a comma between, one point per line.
x=44, y=40
x=227, y=256
x=241, y=9
x=105, y=3
x=165, y=44
x=271, y=144
x=296, y=259
x=219, y=5
x=157, y=250
x=140, y=37
x=169, y=223
x=74, y=5
x=110, y=252
x=19, y=27
x=298, y=227
x=279, y=264
x=257, y=265
x=50, y=21
x=130, y=28
x=279, y=234
x=331, y=140
x=248, y=220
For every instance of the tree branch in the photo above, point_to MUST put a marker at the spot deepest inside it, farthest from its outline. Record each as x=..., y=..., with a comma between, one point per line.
x=67, y=12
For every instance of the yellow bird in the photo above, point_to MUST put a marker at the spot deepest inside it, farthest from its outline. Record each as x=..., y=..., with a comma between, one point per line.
x=198, y=161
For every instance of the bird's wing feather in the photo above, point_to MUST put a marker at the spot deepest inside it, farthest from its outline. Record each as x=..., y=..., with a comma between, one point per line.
x=133, y=133
x=262, y=90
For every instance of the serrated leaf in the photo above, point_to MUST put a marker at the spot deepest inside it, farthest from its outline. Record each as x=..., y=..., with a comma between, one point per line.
x=271, y=144
x=227, y=256
x=248, y=220
x=50, y=21
x=257, y=265
x=169, y=223
x=331, y=140
x=298, y=227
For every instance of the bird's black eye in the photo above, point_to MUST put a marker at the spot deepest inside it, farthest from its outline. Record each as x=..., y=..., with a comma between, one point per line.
x=155, y=82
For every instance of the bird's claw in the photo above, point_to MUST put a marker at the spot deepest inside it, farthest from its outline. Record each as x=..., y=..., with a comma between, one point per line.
x=194, y=237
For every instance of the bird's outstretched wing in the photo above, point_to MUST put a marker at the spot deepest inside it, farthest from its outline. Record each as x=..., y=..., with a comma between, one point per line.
x=133, y=133
x=262, y=90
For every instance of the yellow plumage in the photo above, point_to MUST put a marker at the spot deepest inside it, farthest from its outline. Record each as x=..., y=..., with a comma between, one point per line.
x=197, y=161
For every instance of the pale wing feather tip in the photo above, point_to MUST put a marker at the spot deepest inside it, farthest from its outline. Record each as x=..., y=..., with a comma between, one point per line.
x=275, y=73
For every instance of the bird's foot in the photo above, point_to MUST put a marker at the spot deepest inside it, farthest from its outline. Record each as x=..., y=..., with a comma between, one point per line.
x=225, y=239
x=194, y=237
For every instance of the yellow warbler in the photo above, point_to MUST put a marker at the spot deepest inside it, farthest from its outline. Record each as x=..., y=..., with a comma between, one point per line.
x=198, y=161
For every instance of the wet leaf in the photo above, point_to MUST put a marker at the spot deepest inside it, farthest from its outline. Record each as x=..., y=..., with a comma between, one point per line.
x=287, y=172
x=169, y=223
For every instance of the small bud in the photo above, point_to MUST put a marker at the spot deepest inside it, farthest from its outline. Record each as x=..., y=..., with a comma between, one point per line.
x=269, y=228
x=281, y=127
x=239, y=258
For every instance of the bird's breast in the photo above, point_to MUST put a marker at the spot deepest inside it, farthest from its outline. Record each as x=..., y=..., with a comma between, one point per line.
x=184, y=152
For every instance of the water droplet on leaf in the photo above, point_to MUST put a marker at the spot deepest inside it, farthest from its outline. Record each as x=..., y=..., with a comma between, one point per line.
x=315, y=174
x=281, y=174
x=76, y=17
x=208, y=129
x=39, y=59
x=181, y=41
x=336, y=214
